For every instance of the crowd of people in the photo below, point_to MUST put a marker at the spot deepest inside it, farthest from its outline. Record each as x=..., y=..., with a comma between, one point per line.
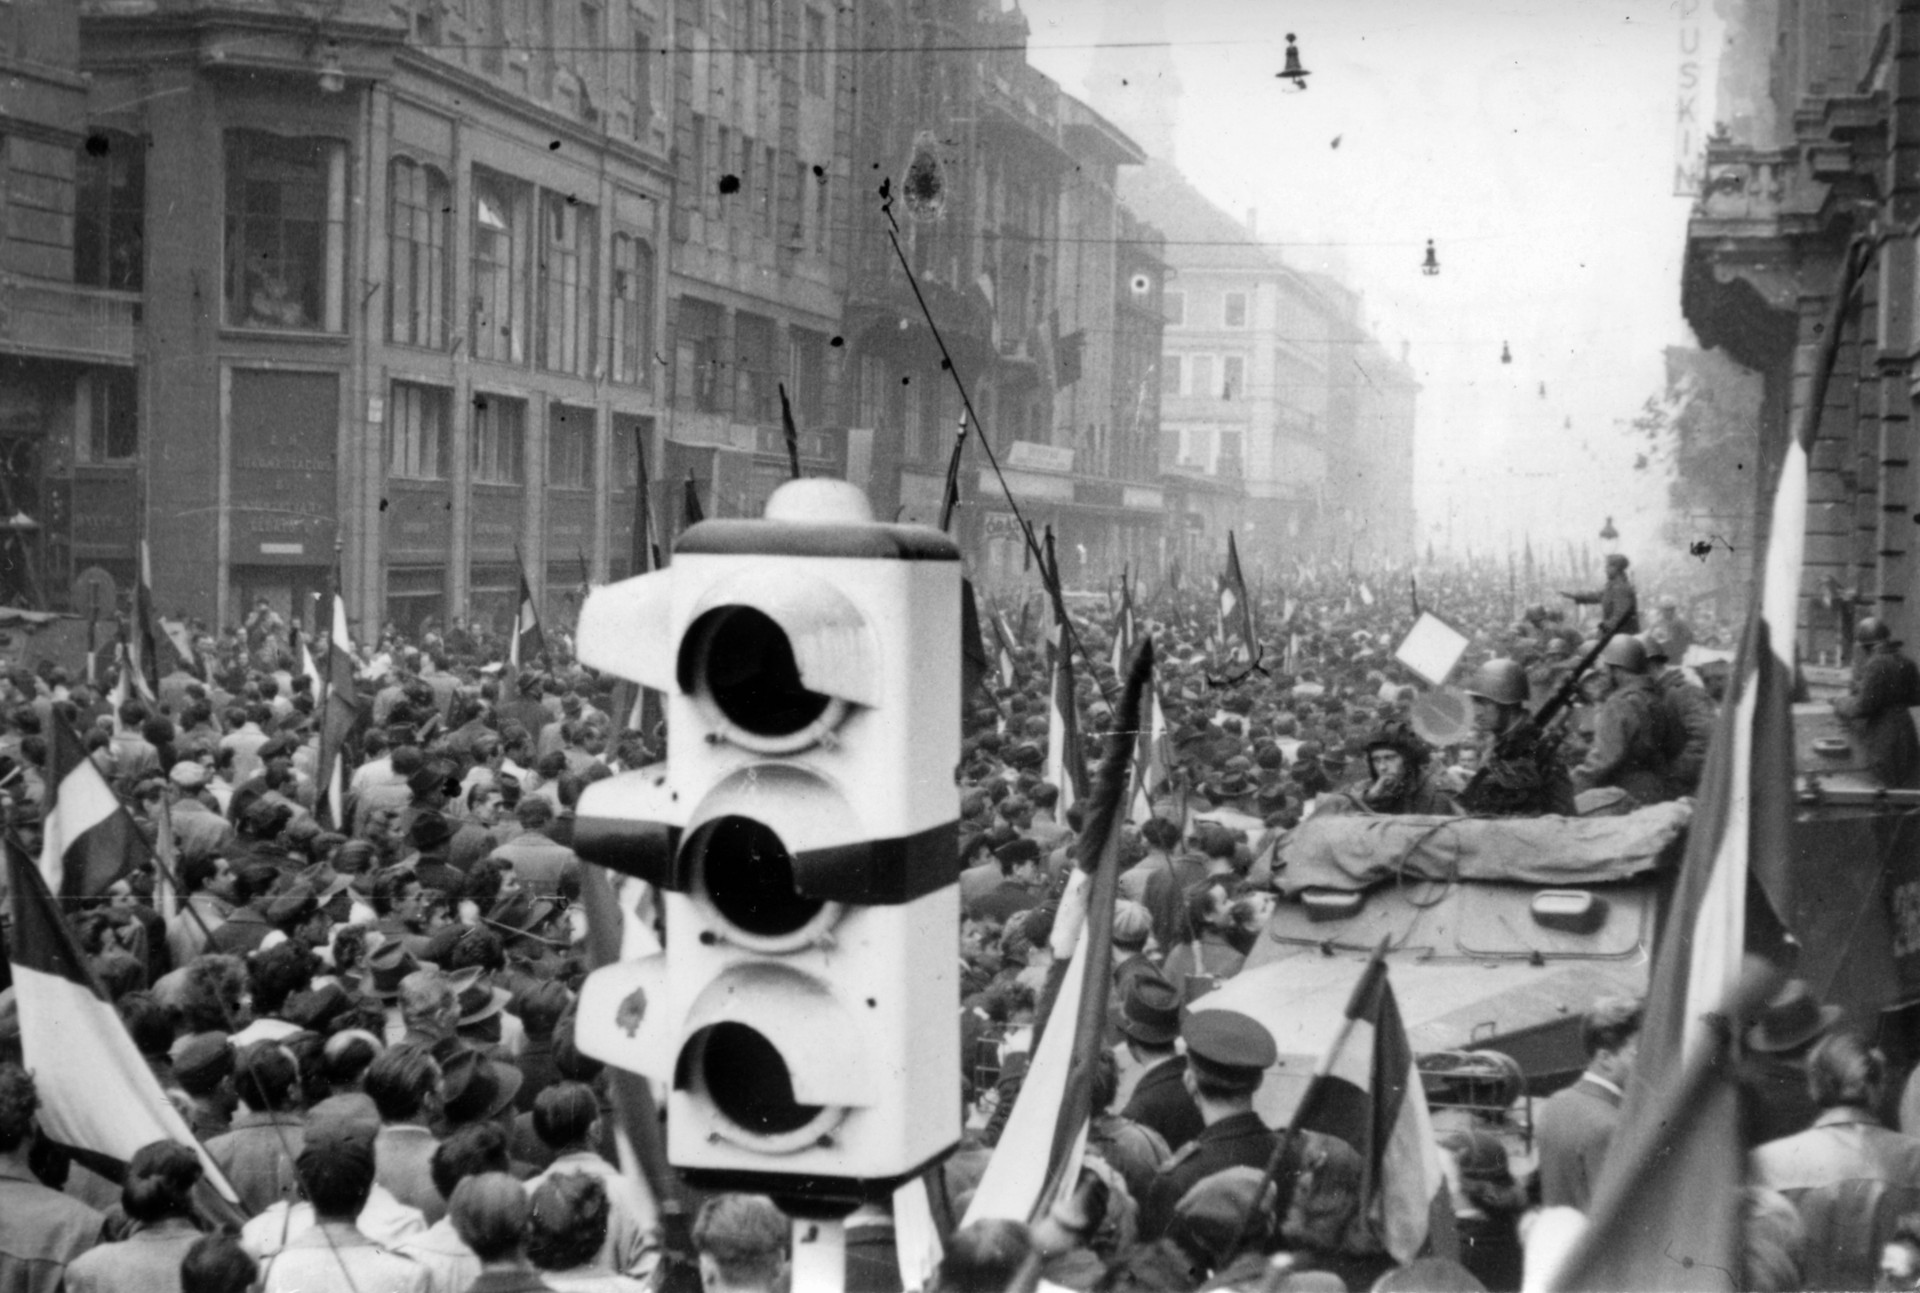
x=368, y=1021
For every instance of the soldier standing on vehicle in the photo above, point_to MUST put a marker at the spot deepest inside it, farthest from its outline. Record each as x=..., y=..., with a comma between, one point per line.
x=1619, y=604
x=1885, y=683
x=1523, y=776
x=1631, y=731
x=1690, y=718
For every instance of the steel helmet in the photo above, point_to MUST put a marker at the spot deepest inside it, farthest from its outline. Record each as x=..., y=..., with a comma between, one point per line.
x=1624, y=652
x=1503, y=682
x=1872, y=629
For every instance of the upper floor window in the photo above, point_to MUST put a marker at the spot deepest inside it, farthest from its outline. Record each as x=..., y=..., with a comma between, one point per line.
x=697, y=359
x=109, y=211
x=1233, y=377
x=566, y=304
x=419, y=247
x=1170, y=374
x=813, y=55
x=286, y=227
x=1174, y=304
x=1234, y=310
x=569, y=446
x=107, y=415
x=632, y=309
x=499, y=308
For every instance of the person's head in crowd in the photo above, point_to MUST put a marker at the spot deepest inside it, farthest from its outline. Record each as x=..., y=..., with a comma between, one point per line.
x=404, y=1085
x=567, y=1223
x=159, y=1183
x=213, y=995
x=742, y=1242
x=429, y=1004
x=216, y=1263
x=347, y=1056
x=1234, y=1204
x=278, y=972
x=397, y=892
x=19, y=1103
x=566, y=1117
x=148, y=1022
x=1845, y=1071
x=983, y=1257
x=489, y=1213
x=1610, y=1032
x=473, y=1150
x=265, y=1076
x=541, y=1007
x=253, y=884
x=1160, y=834
x=1326, y=1214
x=337, y=1176
x=534, y=813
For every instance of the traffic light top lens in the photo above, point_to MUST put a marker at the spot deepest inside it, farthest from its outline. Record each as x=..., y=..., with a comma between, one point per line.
x=743, y=664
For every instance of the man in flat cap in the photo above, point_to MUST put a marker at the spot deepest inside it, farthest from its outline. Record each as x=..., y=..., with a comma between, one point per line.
x=1228, y=1054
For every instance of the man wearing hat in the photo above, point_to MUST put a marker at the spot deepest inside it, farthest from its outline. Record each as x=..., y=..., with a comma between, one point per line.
x=1132, y=927
x=198, y=830
x=1149, y=1024
x=203, y=1066
x=1775, y=1101
x=1228, y=1055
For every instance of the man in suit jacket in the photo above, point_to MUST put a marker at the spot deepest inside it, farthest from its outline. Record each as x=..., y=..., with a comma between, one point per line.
x=1575, y=1125
x=1150, y=1022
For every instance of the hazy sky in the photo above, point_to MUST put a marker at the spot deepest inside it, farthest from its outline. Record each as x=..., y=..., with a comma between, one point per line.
x=1533, y=140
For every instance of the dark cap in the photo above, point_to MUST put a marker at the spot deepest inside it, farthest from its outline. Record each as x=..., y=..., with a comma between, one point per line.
x=1151, y=1011
x=1210, y=1215
x=435, y=775
x=200, y=1061
x=429, y=831
x=476, y=1088
x=1792, y=1019
x=1229, y=1046
x=387, y=965
x=296, y=902
x=1014, y=852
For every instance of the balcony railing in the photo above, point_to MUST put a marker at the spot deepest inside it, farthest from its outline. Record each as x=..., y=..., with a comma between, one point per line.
x=59, y=318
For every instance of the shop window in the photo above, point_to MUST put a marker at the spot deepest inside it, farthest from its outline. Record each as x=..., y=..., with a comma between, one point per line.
x=569, y=446
x=419, y=421
x=420, y=202
x=759, y=377
x=696, y=358
x=107, y=416
x=109, y=211
x=498, y=443
x=286, y=207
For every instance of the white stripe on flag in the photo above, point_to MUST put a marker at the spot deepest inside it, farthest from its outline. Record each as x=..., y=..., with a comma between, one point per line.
x=82, y=801
x=1017, y=1172
x=96, y=1092
x=1412, y=1174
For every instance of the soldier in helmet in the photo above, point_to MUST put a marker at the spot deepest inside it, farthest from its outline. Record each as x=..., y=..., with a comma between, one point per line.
x=1522, y=775
x=1690, y=715
x=1632, y=733
x=1619, y=604
x=1885, y=683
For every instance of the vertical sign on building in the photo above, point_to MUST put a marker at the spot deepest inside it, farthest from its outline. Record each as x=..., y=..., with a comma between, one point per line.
x=1693, y=99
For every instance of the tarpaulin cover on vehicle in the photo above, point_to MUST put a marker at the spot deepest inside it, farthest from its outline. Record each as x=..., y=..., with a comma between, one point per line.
x=1357, y=851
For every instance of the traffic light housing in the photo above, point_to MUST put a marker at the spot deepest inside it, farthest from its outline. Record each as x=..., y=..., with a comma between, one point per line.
x=804, y=835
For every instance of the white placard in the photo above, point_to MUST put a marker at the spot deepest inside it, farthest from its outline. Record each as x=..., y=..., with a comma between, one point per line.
x=1431, y=648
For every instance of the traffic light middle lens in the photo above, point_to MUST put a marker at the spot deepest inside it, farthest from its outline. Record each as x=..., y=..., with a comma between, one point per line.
x=751, y=674
x=749, y=1084
x=748, y=876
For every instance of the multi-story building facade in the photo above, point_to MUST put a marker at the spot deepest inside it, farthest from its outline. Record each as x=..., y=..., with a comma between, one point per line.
x=401, y=297
x=761, y=97
x=1819, y=108
x=71, y=331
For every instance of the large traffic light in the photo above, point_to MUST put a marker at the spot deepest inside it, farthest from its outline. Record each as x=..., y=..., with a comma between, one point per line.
x=804, y=834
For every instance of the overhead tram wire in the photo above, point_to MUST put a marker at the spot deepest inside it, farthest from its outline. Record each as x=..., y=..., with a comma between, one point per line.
x=1048, y=576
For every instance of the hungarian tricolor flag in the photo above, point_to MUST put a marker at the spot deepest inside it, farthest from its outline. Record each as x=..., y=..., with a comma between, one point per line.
x=1666, y=1208
x=1055, y=1100
x=1371, y=1097
x=87, y=839
x=1236, y=611
x=1063, y=734
x=1153, y=764
x=528, y=643
x=98, y=1098
x=1126, y=629
x=142, y=653
x=340, y=712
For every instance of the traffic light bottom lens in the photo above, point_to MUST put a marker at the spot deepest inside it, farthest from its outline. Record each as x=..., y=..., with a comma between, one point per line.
x=747, y=874
x=747, y=1081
